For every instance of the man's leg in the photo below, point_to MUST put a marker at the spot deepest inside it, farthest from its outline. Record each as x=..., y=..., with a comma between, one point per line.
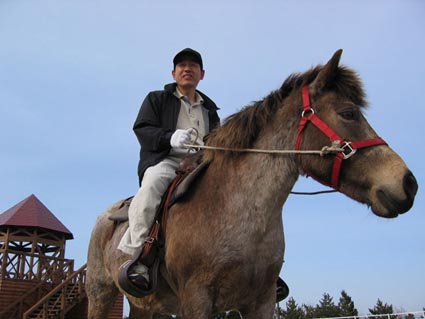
x=144, y=206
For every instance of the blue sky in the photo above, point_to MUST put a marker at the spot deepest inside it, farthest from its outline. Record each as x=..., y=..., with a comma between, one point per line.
x=73, y=75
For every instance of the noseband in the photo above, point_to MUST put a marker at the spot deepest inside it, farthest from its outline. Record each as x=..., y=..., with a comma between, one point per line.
x=348, y=148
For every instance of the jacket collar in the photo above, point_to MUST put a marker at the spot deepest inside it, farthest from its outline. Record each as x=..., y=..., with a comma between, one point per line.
x=171, y=87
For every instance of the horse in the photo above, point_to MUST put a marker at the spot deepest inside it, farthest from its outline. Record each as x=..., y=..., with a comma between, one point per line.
x=225, y=240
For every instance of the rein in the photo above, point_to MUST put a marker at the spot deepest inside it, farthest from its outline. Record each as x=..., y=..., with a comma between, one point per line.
x=341, y=148
x=325, y=150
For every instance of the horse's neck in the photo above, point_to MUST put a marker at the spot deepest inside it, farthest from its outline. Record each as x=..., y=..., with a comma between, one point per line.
x=254, y=186
x=251, y=191
x=275, y=174
x=261, y=179
x=268, y=177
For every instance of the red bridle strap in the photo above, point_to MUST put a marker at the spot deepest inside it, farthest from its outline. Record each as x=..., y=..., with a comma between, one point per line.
x=309, y=116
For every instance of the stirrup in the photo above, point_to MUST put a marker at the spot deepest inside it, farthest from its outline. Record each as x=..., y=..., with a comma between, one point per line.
x=282, y=290
x=130, y=287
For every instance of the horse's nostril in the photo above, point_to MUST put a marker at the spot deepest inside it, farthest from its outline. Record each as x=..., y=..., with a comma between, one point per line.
x=410, y=185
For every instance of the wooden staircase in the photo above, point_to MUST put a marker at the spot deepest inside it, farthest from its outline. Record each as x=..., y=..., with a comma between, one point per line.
x=51, y=301
x=61, y=299
x=17, y=308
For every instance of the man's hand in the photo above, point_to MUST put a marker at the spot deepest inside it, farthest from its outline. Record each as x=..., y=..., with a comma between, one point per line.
x=181, y=137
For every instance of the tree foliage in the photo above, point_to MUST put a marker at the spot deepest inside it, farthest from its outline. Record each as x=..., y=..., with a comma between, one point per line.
x=293, y=311
x=326, y=308
x=346, y=305
x=381, y=308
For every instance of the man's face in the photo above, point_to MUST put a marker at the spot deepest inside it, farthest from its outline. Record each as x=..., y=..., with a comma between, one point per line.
x=188, y=73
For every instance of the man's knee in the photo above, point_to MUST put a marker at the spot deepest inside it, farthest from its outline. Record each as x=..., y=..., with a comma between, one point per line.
x=158, y=178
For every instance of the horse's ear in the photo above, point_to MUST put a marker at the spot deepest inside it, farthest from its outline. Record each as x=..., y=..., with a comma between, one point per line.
x=326, y=76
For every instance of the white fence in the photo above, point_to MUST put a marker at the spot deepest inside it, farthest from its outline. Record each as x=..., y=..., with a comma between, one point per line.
x=402, y=315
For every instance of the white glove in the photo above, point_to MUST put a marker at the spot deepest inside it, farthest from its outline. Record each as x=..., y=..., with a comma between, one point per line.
x=180, y=137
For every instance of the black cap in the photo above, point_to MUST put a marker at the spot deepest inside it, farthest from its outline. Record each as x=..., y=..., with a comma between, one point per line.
x=188, y=54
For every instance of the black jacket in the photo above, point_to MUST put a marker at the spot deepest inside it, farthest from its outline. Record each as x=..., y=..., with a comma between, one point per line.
x=156, y=122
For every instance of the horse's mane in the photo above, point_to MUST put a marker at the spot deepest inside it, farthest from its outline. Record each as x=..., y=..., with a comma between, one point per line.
x=240, y=129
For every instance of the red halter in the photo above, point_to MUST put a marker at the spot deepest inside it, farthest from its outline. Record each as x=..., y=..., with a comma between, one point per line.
x=349, y=148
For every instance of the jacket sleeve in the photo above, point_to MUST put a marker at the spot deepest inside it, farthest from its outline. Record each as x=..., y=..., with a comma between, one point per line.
x=147, y=127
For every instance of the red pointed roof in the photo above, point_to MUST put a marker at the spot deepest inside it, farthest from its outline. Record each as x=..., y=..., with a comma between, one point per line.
x=32, y=213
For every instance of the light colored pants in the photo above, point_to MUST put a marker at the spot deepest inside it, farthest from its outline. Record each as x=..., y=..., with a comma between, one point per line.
x=143, y=207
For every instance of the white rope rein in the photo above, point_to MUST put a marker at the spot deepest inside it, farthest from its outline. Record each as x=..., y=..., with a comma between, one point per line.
x=334, y=148
x=324, y=151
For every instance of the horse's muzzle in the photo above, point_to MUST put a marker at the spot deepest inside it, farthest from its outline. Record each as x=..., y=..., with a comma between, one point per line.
x=393, y=203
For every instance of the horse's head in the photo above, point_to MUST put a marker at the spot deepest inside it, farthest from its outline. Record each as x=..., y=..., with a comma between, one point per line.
x=368, y=170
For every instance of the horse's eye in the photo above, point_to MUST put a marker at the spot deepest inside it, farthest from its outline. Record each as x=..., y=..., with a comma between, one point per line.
x=349, y=114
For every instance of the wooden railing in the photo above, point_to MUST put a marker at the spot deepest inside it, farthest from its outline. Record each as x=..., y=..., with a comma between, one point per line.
x=27, y=266
x=61, y=299
x=47, y=272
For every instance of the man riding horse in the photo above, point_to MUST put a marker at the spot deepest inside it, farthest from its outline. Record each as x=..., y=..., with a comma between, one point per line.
x=167, y=120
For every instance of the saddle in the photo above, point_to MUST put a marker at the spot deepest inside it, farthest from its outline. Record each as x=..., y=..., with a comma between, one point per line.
x=152, y=252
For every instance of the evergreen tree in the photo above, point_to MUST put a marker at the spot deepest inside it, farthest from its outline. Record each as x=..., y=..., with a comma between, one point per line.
x=293, y=311
x=309, y=311
x=346, y=305
x=382, y=308
x=277, y=313
x=326, y=308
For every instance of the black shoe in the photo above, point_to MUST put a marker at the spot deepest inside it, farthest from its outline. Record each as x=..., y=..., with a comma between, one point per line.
x=139, y=280
x=133, y=282
x=282, y=290
x=138, y=274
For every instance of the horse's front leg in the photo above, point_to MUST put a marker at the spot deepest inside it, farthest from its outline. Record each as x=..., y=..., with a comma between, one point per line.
x=137, y=313
x=101, y=297
x=265, y=311
x=260, y=310
x=196, y=302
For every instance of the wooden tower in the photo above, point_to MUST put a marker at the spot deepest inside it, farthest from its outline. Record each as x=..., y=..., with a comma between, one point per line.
x=36, y=280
